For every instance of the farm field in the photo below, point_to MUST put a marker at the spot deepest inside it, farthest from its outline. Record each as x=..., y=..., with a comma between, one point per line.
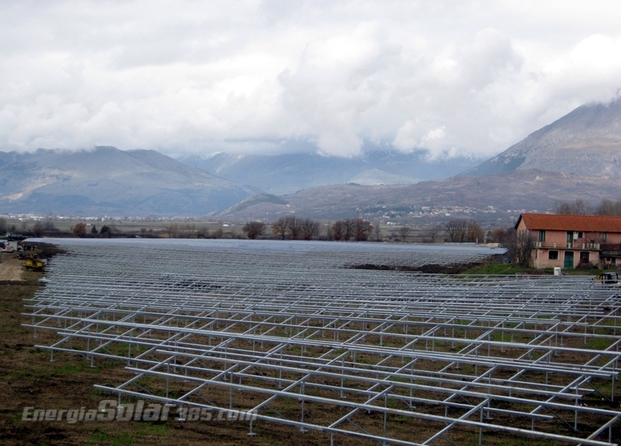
x=308, y=349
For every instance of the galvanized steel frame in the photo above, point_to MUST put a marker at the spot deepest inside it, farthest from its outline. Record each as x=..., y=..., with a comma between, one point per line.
x=293, y=327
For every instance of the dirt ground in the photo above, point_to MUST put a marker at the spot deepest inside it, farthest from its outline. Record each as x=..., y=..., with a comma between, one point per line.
x=10, y=268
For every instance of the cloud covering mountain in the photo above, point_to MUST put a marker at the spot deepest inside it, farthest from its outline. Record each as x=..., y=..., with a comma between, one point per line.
x=274, y=76
x=586, y=141
x=287, y=173
x=577, y=156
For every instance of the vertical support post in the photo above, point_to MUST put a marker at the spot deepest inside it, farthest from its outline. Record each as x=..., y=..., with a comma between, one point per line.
x=385, y=413
x=303, y=399
x=481, y=429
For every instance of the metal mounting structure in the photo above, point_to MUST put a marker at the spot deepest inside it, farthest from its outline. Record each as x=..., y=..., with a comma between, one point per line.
x=289, y=331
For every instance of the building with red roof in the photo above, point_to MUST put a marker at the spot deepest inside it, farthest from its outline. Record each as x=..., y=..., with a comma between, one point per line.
x=569, y=240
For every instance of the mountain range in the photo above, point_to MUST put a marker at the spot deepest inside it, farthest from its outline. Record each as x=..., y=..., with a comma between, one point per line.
x=109, y=181
x=495, y=200
x=577, y=156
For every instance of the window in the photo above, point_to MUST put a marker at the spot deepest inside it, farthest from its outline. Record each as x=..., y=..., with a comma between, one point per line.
x=553, y=255
x=542, y=236
x=579, y=234
x=604, y=236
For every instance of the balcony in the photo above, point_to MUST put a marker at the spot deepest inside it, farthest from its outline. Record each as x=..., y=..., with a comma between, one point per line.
x=570, y=245
x=610, y=250
x=587, y=246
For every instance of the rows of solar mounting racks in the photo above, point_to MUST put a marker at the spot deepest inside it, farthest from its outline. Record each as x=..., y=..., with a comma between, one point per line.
x=389, y=356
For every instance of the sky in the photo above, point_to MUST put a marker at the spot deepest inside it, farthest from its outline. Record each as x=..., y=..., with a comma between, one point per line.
x=455, y=78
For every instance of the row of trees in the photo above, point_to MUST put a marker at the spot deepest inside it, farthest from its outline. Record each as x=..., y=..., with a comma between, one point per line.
x=360, y=229
x=39, y=228
x=580, y=207
x=464, y=230
x=80, y=230
x=287, y=227
x=357, y=229
x=5, y=227
x=296, y=228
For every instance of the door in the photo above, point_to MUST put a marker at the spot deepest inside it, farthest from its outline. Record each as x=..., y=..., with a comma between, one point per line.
x=569, y=260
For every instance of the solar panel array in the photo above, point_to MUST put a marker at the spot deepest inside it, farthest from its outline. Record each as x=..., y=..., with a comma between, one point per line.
x=289, y=331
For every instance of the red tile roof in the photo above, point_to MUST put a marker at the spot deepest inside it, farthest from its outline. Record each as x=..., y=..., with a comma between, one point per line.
x=585, y=223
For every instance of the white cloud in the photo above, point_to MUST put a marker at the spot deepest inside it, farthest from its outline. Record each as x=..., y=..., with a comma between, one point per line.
x=333, y=86
x=451, y=77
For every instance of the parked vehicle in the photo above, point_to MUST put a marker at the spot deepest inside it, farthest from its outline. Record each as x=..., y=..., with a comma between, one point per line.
x=7, y=246
x=609, y=278
x=33, y=262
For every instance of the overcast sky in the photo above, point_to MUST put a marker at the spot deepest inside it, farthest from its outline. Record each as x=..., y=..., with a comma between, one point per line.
x=453, y=77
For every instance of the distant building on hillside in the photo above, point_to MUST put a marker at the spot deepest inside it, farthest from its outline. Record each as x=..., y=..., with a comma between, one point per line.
x=569, y=240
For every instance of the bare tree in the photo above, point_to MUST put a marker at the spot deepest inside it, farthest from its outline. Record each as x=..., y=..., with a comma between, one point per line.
x=581, y=207
x=562, y=208
x=578, y=207
x=361, y=229
x=501, y=236
x=280, y=227
x=609, y=207
x=294, y=226
x=349, y=229
x=173, y=230
x=594, y=237
x=456, y=230
x=338, y=230
x=48, y=226
x=404, y=231
x=431, y=233
x=309, y=229
x=520, y=245
x=37, y=229
x=358, y=228
x=475, y=232
x=254, y=229
x=203, y=232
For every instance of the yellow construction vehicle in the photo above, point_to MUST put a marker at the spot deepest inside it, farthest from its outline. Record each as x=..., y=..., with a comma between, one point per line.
x=33, y=262
x=609, y=278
